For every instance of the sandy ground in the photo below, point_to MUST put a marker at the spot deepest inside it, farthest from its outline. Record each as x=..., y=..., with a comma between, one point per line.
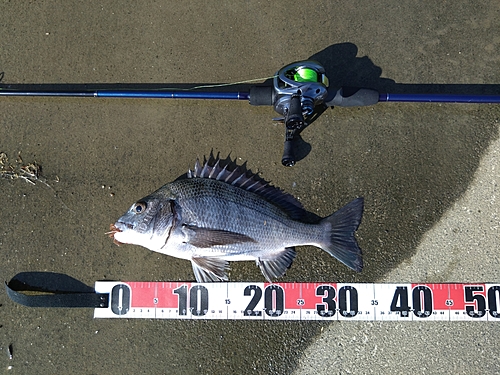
x=428, y=172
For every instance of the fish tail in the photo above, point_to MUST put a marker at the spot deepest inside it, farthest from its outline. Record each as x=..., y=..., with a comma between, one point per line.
x=340, y=241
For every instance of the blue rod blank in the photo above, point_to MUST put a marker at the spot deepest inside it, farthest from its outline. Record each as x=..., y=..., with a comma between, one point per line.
x=174, y=94
x=438, y=98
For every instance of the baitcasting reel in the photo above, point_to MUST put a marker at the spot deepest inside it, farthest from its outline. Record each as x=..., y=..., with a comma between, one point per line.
x=299, y=90
x=300, y=94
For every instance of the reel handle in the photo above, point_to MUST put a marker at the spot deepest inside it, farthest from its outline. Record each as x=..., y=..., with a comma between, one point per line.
x=288, y=159
x=294, y=123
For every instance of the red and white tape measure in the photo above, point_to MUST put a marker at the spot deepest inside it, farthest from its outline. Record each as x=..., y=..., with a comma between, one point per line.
x=300, y=301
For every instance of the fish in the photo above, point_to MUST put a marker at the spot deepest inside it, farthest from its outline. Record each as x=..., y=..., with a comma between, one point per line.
x=221, y=212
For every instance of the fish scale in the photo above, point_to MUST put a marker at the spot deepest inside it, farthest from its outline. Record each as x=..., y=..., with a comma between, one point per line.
x=219, y=214
x=239, y=211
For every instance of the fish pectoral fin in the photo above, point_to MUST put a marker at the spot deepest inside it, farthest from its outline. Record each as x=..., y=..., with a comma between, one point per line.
x=208, y=269
x=206, y=237
x=277, y=265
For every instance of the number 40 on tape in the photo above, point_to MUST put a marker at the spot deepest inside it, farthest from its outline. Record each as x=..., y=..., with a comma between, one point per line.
x=300, y=301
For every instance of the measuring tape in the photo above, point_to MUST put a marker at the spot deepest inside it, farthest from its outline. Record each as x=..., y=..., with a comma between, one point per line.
x=300, y=301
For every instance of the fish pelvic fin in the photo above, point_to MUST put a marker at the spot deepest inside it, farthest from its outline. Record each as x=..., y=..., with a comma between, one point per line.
x=341, y=242
x=277, y=266
x=208, y=269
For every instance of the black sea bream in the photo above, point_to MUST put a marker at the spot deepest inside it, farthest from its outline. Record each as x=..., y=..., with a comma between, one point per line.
x=219, y=214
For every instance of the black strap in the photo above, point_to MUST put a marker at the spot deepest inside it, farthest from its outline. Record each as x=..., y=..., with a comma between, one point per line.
x=47, y=289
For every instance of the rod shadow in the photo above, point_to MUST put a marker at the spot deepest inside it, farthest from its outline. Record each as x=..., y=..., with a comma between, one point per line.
x=411, y=162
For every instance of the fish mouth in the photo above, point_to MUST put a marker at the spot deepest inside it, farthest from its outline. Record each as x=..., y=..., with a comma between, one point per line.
x=113, y=229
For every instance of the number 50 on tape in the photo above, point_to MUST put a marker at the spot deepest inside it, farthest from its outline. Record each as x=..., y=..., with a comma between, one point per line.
x=300, y=301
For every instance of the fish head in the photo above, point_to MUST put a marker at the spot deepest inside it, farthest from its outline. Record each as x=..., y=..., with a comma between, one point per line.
x=147, y=223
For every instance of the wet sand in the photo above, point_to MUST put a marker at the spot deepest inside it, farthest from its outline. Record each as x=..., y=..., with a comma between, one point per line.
x=428, y=172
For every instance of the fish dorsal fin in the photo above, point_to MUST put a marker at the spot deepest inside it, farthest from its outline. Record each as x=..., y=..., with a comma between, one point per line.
x=229, y=172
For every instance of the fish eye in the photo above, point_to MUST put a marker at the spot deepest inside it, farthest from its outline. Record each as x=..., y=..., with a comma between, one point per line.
x=139, y=207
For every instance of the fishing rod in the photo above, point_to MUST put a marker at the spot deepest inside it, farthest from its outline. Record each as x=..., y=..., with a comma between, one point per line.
x=299, y=92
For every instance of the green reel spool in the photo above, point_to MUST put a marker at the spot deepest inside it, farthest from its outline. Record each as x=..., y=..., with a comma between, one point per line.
x=305, y=75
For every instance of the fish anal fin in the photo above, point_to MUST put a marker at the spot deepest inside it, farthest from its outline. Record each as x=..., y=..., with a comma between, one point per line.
x=208, y=269
x=207, y=237
x=277, y=265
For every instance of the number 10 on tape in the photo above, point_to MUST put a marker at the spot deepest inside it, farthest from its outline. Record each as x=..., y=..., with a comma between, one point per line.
x=300, y=301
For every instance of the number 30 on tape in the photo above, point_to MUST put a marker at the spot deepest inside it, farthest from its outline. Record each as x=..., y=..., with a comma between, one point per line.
x=300, y=301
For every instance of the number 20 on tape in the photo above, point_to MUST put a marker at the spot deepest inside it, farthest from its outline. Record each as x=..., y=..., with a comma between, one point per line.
x=300, y=301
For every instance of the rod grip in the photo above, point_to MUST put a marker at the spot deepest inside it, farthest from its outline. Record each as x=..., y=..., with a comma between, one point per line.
x=352, y=97
x=261, y=95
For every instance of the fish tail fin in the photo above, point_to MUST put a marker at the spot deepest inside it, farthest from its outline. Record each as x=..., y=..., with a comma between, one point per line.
x=340, y=241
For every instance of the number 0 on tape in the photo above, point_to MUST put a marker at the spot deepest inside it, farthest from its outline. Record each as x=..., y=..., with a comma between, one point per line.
x=300, y=301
